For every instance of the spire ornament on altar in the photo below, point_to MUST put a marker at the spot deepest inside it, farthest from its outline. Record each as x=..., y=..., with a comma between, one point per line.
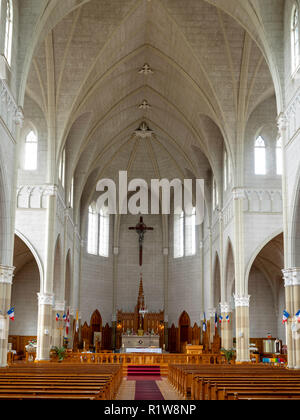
x=142, y=309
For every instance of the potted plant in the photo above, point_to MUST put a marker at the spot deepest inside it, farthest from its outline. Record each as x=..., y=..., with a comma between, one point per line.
x=60, y=352
x=229, y=354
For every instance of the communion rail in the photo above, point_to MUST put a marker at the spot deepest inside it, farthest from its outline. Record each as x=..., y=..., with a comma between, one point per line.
x=145, y=358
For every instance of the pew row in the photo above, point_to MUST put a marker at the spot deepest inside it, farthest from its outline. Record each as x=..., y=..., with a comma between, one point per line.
x=58, y=381
x=234, y=382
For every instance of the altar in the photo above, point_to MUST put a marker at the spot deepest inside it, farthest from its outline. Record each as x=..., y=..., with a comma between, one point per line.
x=140, y=329
x=137, y=343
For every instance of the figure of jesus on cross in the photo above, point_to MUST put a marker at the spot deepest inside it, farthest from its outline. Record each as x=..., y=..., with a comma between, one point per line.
x=141, y=229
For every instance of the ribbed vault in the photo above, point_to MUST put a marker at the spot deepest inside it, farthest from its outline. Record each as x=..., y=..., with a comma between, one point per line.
x=193, y=72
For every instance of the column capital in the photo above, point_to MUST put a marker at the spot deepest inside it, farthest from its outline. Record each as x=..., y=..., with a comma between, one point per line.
x=46, y=298
x=238, y=193
x=59, y=306
x=72, y=312
x=225, y=308
x=282, y=122
x=242, y=301
x=296, y=276
x=212, y=312
x=19, y=116
x=291, y=277
x=6, y=274
x=50, y=190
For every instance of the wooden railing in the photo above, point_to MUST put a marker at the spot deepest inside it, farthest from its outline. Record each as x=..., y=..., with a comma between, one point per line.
x=145, y=358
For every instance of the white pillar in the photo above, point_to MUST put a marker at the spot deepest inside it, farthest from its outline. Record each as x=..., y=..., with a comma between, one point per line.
x=292, y=301
x=44, y=326
x=6, y=276
x=226, y=327
x=242, y=328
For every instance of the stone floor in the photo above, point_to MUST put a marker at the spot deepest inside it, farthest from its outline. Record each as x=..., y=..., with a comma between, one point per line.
x=127, y=390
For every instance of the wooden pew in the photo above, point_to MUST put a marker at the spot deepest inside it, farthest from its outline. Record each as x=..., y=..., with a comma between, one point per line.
x=54, y=381
x=202, y=383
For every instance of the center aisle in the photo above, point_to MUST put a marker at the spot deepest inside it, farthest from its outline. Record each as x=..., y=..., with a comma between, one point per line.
x=131, y=390
x=147, y=390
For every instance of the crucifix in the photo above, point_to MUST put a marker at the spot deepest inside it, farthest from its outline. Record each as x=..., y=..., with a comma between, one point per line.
x=141, y=229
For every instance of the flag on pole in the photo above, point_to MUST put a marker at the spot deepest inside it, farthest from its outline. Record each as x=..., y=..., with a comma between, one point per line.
x=298, y=316
x=57, y=317
x=227, y=318
x=204, y=324
x=220, y=319
x=67, y=323
x=77, y=321
x=216, y=320
x=64, y=317
x=285, y=317
x=11, y=314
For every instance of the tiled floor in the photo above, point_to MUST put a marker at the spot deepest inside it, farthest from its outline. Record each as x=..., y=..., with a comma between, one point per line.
x=167, y=390
x=127, y=390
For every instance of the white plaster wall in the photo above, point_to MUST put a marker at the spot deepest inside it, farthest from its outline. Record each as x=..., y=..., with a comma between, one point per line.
x=185, y=292
x=128, y=265
x=25, y=287
x=96, y=283
x=263, y=318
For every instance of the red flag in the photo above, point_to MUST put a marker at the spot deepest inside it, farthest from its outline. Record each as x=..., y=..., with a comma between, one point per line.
x=67, y=323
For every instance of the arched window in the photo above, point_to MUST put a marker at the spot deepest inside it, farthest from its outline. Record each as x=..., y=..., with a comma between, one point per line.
x=190, y=233
x=185, y=234
x=103, y=233
x=71, y=194
x=92, y=247
x=98, y=232
x=179, y=235
x=295, y=39
x=215, y=195
x=279, y=156
x=8, y=31
x=260, y=156
x=31, y=149
x=225, y=170
x=61, y=169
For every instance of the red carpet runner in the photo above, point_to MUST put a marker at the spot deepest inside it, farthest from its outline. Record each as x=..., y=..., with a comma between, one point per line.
x=147, y=390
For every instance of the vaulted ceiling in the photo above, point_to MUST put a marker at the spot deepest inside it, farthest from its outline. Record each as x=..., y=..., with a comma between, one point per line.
x=187, y=69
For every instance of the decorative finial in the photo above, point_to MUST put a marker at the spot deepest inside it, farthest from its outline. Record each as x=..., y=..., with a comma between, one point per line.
x=146, y=70
x=144, y=105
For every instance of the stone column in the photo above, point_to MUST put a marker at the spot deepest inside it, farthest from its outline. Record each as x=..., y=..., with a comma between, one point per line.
x=292, y=300
x=242, y=328
x=72, y=316
x=58, y=326
x=6, y=276
x=211, y=314
x=44, y=329
x=114, y=308
x=226, y=327
x=289, y=306
x=166, y=295
x=296, y=326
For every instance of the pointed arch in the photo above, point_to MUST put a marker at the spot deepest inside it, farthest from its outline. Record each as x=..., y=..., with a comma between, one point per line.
x=68, y=279
x=229, y=272
x=216, y=289
x=35, y=255
x=57, y=274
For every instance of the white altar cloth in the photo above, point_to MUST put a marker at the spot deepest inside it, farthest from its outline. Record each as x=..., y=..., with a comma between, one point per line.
x=143, y=350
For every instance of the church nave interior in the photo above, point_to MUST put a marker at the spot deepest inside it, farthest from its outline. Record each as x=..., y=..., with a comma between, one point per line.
x=101, y=100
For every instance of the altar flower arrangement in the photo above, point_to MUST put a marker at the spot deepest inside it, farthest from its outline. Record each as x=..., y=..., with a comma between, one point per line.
x=31, y=346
